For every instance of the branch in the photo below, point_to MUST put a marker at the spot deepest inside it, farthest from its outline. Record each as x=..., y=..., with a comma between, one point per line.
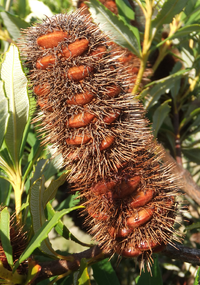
x=94, y=254
x=183, y=253
x=188, y=184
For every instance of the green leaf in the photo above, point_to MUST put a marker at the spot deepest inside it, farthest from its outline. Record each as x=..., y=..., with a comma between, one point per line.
x=112, y=25
x=156, y=277
x=192, y=154
x=196, y=281
x=5, y=190
x=16, y=91
x=51, y=190
x=5, y=235
x=167, y=12
x=4, y=115
x=161, y=86
x=41, y=235
x=61, y=229
x=159, y=116
x=9, y=277
x=193, y=226
x=13, y=24
x=182, y=32
x=83, y=276
x=125, y=10
x=37, y=206
x=104, y=273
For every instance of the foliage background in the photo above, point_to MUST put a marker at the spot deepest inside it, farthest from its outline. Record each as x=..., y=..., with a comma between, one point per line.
x=167, y=42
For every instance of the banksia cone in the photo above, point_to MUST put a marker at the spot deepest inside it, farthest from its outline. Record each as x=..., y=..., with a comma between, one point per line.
x=88, y=116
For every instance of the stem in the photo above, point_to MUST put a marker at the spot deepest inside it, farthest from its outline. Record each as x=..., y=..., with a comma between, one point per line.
x=8, y=5
x=146, y=45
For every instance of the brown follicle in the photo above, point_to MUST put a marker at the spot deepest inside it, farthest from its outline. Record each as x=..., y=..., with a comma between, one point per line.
x=80, y=120
x=78, y=73
x=142, y=197
x=52, y=39
x=81, y=99
x=140, y=218
x=107, y=142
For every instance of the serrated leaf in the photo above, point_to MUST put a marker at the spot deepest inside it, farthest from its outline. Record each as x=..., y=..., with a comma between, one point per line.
x=182, y=32
x=125, y=10
x=16, y=91
x=5, y=235
x=159, y=116
x=37, y=213
x=104, y=273
x=41, y=235
x=61, y=229
x=4, y=114
x=13, y=24
x=51, y=190
x=167, y=12
x=156, y=277
x=112, y=25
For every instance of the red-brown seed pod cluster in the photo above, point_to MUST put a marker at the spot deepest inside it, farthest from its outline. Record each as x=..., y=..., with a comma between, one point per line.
x=100, y=130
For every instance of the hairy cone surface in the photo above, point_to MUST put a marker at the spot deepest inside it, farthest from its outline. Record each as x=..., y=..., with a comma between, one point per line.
x=100, y=130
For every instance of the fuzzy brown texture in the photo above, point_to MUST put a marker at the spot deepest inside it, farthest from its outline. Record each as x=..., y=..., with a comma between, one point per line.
x=18, y=240
x=101, y=131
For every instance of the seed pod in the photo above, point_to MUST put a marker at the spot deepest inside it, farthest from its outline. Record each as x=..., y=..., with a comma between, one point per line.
x=111, y=118
x=130, y=252
x=103, y=187
x=52, y=39
x=139, y=218
x=46, y=61
x=107, y=142
x=113, y=90
x=81, y=99
x=98, y=53
x=78, y=140
x=127, y=187
x=77, y=73
x=148, y=244
x=42, y=90
x=142, y=198
x=76, y=48
x=80, y=120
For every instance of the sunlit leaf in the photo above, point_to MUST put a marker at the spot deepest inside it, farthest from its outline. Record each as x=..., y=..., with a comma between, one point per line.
x=4, y=115
x=5, y=235
x=169, y=9
x=155, y=278
x=16, y=91
x=112, y=25
x=41, y=235
x=83, y=276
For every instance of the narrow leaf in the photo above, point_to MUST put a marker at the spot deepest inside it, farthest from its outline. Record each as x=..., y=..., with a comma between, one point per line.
x=125, y=10
x=112, y=25
x=169, y=9
x=5, y=235
x=159, y=116
x=41, y=235
x=104, y=273
x=4, y=115
x=16, y=91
